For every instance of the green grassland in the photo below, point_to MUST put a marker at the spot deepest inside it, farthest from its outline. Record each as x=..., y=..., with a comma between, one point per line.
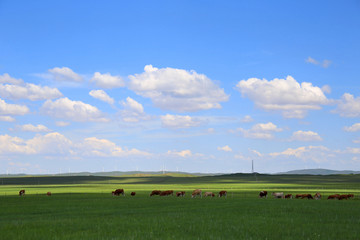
x=82, y=208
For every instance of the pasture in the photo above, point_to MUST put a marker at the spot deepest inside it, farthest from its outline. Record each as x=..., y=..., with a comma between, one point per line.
x=83, y=208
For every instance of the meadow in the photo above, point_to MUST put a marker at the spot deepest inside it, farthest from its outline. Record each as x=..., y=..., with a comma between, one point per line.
x=82, y=207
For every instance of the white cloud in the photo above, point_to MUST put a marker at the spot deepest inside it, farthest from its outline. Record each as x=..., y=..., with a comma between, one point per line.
x=12, y=109
x=313, y=153
x=73, y=110
x=133, y=111
x=62, y=124
x=28, y=91
x=260, y=131
x=285, y=95
x=354, y=128
x=13, y=145
x=7, y=119
x=107, y=81
x=247, y=119
x=32, y=128
x=5, y=78
x=51, y=143
x=305, y=136
x=183, y=153
x=225, y=149
x=101, y=95
x=348, y=106
x=325, y=63
x=178, y=121
x=65, y=74
x=177, y=89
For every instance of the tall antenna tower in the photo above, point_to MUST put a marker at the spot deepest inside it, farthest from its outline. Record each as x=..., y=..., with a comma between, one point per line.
x=252, y=166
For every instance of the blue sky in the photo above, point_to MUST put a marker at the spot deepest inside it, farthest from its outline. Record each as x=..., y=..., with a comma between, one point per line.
x=196, y=86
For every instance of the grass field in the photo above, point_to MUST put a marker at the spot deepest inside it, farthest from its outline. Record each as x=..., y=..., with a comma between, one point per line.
x=83, y=208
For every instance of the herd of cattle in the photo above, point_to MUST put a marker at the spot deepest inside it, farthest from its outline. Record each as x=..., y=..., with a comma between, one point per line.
x=317, y=196
x=198, y=192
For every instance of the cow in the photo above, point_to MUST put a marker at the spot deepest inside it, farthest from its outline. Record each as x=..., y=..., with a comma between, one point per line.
x=167, y=193
x=155, y=192
x=334, y=196
x=180, y=194
x=289, y=196
x=350, y=195
x=48, y=193
x=308, y=196
x=209, y=194
x=117, y=192
x=133, y=193
x=263, y=194
x=223, y=193
x=343, y=196
x=278, y=194
x=196, y=192
x=298, y=196
x=317, y=196
x=22, y=192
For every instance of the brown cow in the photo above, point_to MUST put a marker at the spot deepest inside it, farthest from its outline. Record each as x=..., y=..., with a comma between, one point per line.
x=317, y=196
x=48, y=193
x=155, y=192
x=22, y=192
x=180, y=194
x=335, y=196
x=344, y=196
x=299, y=196
x=223, y=193
x=308, y=196
x=167, y=193
x=263, y=194
x=117, y=192
x=209, y=194
x=350, y=195
x=289, y=196
x=133, y=193
x=196, y=192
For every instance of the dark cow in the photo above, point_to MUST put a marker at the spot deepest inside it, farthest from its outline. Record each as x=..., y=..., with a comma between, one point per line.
x=350, y=195
x=48, y=193
x=196, y=192
x=117, y=192
x=305, y=195
x=263, y=194
x=223, y=193
x=22, y=192
x=343, y=196
x=334, y=196
x=289, y=196
x=167, y=193
x=180, y=194
x=155, y=192
x=133, y=193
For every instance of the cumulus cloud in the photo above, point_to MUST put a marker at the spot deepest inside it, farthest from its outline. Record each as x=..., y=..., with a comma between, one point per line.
x=7, y=119
x=260, y=131
x=247, y=119
x=325, y=63
x=107, y=81
x=62, y=124
x=133, y=111
x=5, y=78
x=64, y=74
x=177, y=89
x=305, y=136
x=28, y=91
x=101, y=95
x=354, y=128
x=313, y=153
x=183, y=153
x=288, y=96
x=225, y=148
x=73, y=110
x=348, y=106
x=13, y=145
x=178, y=121
x=12, y=109
x=32, y=128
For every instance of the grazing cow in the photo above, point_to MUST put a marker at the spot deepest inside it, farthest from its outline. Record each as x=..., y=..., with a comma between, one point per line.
x=209, y=194
x=344, y=196
x=48, y=193
x=335, y=196
x=317, y=196
x=22, y=192
x=299, y=196
x=155, y=192
x=117, y=192
x=350, y=195
x=180, y=194
x=278, y=194
x=133, y=193
x=223, y=193
x=196, y=192
x=167, y=193
x=263, y=194
x=289, y=196
x=308, y=196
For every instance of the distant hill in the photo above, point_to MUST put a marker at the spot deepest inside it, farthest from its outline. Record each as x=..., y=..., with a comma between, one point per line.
x=319, y=171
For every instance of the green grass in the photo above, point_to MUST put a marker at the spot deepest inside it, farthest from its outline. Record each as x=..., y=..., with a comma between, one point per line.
x=83, y=208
